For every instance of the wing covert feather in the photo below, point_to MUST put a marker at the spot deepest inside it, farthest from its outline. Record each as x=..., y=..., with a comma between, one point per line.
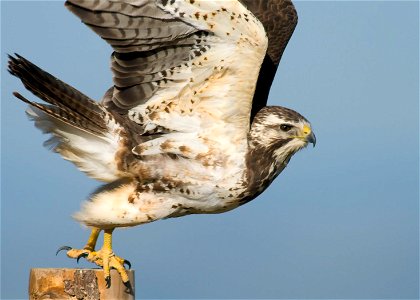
x=184, y=71
x=168, y=49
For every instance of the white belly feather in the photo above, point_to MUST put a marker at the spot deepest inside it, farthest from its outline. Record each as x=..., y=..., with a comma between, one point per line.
x=205, y=116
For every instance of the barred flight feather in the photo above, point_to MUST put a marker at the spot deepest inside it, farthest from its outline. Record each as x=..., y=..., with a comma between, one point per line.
x=182, y=130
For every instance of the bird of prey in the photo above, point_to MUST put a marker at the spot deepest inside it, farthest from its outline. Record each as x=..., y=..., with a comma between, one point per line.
x=185, y=128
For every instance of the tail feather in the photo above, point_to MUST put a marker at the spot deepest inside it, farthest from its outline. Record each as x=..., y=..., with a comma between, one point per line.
x=62, y=115
x=81, y=130
x=68, y=104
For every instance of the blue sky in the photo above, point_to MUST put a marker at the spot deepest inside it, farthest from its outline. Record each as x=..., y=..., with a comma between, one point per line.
x=342, y=221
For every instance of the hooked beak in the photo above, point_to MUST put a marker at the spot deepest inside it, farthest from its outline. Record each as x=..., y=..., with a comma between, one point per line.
x=311, y=138
x=308, y=135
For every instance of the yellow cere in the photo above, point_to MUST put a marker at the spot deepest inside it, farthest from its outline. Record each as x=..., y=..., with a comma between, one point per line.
x=306, y=130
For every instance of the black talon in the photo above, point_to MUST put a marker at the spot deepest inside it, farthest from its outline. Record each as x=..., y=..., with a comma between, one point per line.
x=67, y=248
x=108, y=282
x=80, y=256
x=126, y=262
x=128, y=288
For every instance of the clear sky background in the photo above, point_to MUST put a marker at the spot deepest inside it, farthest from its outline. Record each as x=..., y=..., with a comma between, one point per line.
x=342, y=221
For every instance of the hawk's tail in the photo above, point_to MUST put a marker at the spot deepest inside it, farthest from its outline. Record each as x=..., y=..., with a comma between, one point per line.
x=82, y=130
x=66, y=104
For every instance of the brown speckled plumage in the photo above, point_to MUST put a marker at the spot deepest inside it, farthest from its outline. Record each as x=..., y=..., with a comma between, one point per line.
x=185, y=128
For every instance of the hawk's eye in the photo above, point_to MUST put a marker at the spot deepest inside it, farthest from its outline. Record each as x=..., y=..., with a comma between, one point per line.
x=285, y=127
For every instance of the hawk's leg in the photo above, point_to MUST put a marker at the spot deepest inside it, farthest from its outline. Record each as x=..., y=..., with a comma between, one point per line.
x=89, y=247
x=108, y=259
x=104, y=257
x=91, y=243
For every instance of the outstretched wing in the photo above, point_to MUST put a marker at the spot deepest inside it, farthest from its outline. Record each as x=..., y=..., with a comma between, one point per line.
x=180, y=67
x=279, y=18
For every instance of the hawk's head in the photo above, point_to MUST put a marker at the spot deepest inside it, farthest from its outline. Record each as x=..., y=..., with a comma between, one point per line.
x=276, y=134
x=280, y=132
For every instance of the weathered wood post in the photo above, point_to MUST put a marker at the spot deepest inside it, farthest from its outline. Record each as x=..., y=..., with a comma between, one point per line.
x=80, y=284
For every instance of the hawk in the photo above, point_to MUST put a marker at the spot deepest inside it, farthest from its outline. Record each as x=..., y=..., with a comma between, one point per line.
x=185, y=128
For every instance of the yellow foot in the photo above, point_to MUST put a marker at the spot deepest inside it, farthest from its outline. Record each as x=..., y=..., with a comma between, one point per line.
x=104, y=258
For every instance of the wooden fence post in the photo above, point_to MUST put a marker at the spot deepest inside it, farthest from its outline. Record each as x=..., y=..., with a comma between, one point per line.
x=80, y=284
